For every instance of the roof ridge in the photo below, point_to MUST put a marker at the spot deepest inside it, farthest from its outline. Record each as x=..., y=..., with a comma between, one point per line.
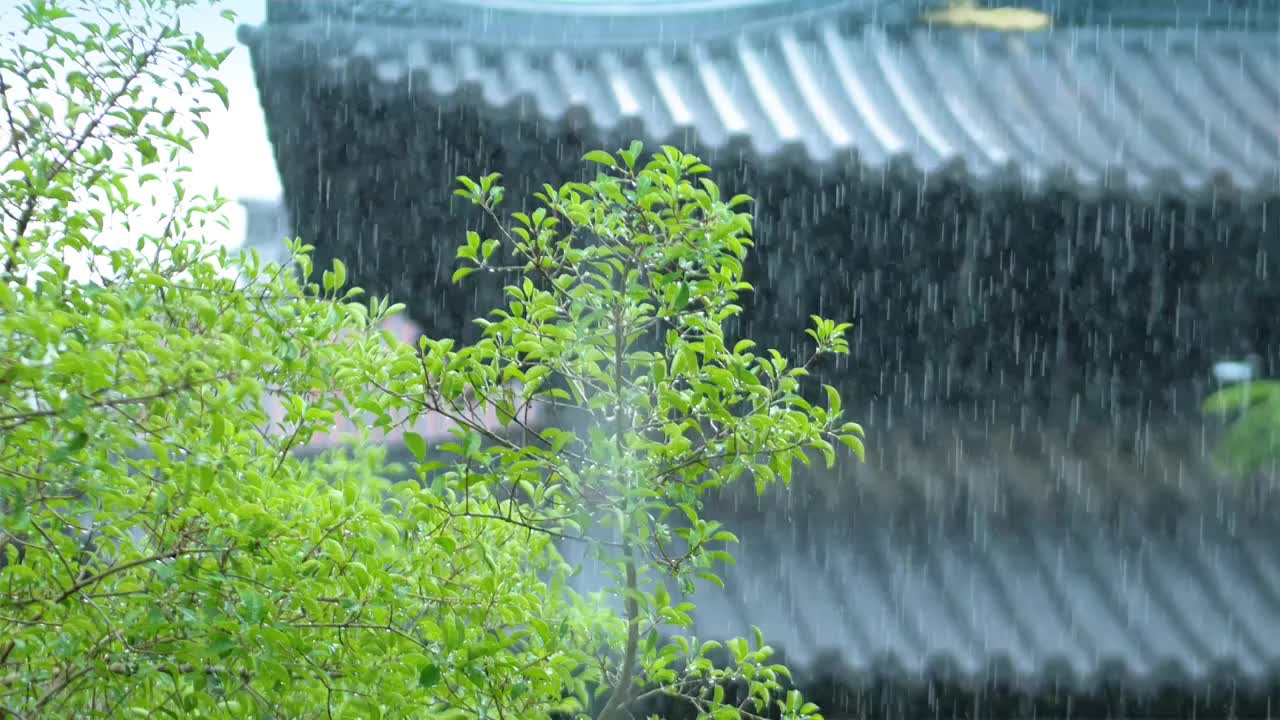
x=638, y=21
x=838, y=96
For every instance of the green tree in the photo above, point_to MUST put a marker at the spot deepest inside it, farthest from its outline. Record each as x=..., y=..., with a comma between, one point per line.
x=1251, y=444
x=163, y=551
x=624, y=285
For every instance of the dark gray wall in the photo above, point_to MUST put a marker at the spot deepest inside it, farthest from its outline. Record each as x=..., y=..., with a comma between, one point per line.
x=970, y=300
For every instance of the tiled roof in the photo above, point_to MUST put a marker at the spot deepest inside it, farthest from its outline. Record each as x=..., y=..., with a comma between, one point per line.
x=925, y=456
x=535, y=22
x=583, y=23
x=1139, y=109
x=864, y=596
x=936, y=462
x=930, y=459
x=926, y=556
x=1008, y=559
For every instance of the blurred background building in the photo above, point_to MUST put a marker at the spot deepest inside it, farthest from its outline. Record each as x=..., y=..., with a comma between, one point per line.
x=1048, y=241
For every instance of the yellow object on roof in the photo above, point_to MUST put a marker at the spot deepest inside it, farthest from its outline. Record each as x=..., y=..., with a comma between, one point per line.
x=967, y=14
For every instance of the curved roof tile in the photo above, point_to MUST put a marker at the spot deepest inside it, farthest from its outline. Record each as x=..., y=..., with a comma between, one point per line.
x=864, y=596
x=1141, y=110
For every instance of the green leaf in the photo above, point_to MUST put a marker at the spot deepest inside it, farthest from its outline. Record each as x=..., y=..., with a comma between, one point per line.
x=220, y=645
x=682, y=297
x=77, y=442
x=1239, y=397
x=855, y=445
x=630, y=155
x=220, y=89
x=601, y=157
x=686, y=361
x=193, y=396
x=854, y=428
x=147, y=150
x=416, y=444
x=471, y=444
x=429, y=676
x=833, y=399
x=252, y=606
x=339, y=273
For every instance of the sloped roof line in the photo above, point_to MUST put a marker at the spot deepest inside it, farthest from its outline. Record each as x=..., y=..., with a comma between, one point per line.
x=538, y=24
x=1157, y=111
x=639, y=21
x=1074, y=607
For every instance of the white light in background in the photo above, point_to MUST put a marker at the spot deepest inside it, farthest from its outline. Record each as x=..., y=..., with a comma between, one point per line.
x=236, y=158
x=1233, y=371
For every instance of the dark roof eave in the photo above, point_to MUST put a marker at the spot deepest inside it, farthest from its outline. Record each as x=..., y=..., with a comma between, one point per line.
x=541, y=25
x=347, y=54
x=641, y=21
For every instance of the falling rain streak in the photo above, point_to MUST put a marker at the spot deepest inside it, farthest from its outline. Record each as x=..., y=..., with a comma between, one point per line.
x=1054, y=245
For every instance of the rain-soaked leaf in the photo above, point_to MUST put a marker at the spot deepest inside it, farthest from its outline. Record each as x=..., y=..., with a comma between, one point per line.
x=855, y=445
x=416, y=444
x=1237, y=398
x=77, y=442
x=833, y=399
x=429, y=676
x=147, y=150
x=339, y=273
x=252, y=606
x=601, y=157
x=244, y=517
x=447, y=543
x=682, y=297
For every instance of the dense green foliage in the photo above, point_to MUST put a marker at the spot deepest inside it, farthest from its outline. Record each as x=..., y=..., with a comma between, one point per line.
x=163, y=551
x=1252, y=442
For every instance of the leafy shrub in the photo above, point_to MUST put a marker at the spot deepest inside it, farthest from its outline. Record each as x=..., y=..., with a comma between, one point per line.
x=163, y=551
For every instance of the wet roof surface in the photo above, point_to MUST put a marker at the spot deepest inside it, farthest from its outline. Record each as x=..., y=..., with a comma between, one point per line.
x=1027, y=561
x=925, y=458
x=585, y=22
x=1181, y=109
x=990, y=555
x=1049, y=472
x=926, y=557
x=863, y=596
